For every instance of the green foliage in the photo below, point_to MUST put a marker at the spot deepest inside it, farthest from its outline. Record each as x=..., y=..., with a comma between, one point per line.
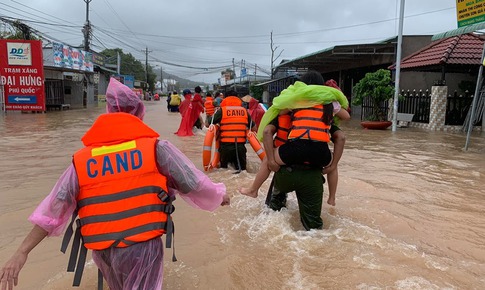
x=256, y=92
x=378, y=87
x=131, y=66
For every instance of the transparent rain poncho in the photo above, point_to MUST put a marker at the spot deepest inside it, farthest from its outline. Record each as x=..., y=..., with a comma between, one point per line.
x=120, y=98
x=139, y=266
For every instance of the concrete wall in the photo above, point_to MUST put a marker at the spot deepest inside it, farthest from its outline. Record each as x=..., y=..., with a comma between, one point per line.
x=411, y=80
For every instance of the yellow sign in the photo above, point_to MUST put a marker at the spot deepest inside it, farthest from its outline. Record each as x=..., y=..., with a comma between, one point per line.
x=470, y=12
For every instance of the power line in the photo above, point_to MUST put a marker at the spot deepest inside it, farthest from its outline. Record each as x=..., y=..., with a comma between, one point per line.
x=42, y=12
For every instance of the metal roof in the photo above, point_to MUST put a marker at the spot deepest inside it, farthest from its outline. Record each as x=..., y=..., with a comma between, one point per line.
x=459, y=31
x=345, y=57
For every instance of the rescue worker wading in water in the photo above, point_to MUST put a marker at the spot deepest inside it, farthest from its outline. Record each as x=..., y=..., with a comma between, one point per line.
x=121, y=186
x=234, y=121
x=209, y=108
x=302, y=158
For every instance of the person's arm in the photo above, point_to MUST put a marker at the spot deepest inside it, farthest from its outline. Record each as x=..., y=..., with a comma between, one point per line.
x=268, y=134
x=217, y=117
x=343, y=114
x=49, y=218
x=183, y=177
x=339, y=112
x=9, y=274
x=254, y=126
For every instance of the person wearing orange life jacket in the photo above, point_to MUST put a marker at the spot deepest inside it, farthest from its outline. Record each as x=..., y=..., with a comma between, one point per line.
x=121, y=185
x=302, y=157
x=209, y=108
x=234, y=121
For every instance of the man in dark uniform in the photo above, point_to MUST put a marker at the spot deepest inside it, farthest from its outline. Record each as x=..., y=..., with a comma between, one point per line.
x=234, y=121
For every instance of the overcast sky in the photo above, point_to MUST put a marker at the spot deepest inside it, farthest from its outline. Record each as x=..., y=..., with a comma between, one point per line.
x=196, y=39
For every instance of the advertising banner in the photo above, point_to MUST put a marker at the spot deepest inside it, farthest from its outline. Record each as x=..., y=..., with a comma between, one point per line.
x=22, y=74
x=72, y=58
x=127, y=80
x=470, y=12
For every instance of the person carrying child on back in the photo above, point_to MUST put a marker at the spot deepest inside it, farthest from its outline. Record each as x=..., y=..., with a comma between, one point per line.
x=308, y=137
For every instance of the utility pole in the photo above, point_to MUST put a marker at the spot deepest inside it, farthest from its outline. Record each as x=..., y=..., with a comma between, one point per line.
x=146, y=64
x=255, y=69
x=118, y=63
x=161, y=79
x=234, y=77
x=87, y=27
x=398, y=68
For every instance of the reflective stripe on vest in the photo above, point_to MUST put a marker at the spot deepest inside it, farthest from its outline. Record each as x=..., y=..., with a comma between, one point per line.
x=119, y=203
x=284, y=125
x=308, y=123
x=234, y=124
x=209, y=106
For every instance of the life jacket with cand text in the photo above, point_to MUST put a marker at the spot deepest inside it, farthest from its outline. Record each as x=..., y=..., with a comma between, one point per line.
x=123, y=199
x=234, y=124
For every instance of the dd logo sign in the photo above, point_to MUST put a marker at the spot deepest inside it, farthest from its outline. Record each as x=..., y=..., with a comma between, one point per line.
x=17, y=51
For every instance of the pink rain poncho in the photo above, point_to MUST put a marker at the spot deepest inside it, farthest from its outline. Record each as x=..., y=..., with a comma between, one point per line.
x=190, y=109
x=139, y=266
x=256, y=111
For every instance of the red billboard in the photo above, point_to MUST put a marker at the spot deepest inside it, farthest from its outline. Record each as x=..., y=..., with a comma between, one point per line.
x=22, y=74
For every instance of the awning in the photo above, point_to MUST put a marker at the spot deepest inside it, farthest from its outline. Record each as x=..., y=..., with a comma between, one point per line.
x=275, y=80
x=459, y=31
x=343, y=57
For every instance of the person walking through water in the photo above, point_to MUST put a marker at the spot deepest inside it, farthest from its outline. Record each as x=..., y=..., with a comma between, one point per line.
x=189, y=115
x=234, y=121
x=209, y=108
x=120, y=186
x=173, y=105
x=306, y=149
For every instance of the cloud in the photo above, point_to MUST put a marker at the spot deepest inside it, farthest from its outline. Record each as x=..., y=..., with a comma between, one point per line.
x=210, y=33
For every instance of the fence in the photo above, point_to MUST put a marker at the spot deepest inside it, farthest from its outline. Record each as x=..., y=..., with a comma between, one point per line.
x=457, y=107
x=368, y=109
x=417, y=103
x=54, y=92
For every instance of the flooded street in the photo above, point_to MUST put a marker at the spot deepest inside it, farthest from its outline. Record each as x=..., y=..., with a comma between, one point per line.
x=409, y=213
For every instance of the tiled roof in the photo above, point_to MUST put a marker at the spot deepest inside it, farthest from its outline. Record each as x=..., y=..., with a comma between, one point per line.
x=465, y=49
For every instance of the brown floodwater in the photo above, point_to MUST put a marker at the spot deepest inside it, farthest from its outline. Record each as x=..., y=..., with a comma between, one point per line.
x=410, y=213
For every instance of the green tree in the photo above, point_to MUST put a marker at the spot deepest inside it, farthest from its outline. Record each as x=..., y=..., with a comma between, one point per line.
x=376, y=86
x=131, y=66
x=256, y=92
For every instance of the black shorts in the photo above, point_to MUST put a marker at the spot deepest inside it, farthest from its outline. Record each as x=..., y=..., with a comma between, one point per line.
x=305, y=152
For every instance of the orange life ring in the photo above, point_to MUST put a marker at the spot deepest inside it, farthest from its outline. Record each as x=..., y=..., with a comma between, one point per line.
x=253, y=140
x=208, y=160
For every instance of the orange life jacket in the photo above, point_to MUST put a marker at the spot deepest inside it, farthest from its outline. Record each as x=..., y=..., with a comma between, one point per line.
x=209, y=106
x=284, y=126
x=123, y=199
x=234, y=124
x=231, y=101
x=308, y=123
x=118, y=202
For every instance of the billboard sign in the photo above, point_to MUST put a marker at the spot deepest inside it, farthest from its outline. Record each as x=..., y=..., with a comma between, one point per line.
x=470, y=12
x=72, y=58
x=127, y=80
x=22, y=74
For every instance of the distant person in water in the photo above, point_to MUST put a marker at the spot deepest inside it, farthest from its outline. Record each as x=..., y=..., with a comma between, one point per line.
x=190, y=112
